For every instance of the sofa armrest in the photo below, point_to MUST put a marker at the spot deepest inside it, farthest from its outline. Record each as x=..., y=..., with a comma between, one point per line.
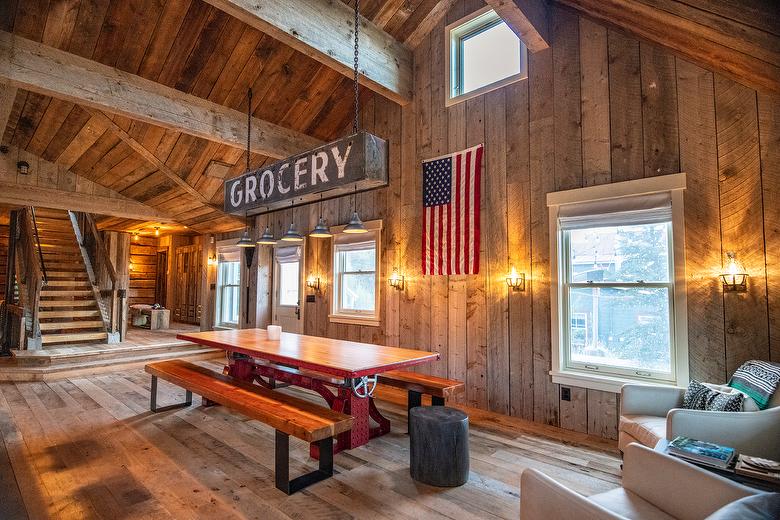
x=678, y=488
x=542, y=498
x=750, y=433
x=649, y=400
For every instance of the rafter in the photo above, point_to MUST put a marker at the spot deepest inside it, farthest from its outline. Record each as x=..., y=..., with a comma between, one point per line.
x=49, y=71
x=7, y=97
x=528, y=19
x=323, y=30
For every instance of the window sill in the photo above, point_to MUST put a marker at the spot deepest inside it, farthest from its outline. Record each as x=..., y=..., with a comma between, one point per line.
x=353, y=320
x=604, y=383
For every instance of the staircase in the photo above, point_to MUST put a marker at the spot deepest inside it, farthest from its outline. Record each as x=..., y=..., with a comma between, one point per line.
x=68, y=310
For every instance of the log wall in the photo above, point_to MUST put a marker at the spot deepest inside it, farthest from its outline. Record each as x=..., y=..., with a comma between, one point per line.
x=598, y=107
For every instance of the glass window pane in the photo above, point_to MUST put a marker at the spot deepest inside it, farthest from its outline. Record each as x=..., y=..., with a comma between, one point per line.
x=489, y=56
x=361, y=260
x=621, y=327
x=229, y=305
x=620, y=254
x=288, y=283
x=357, y=292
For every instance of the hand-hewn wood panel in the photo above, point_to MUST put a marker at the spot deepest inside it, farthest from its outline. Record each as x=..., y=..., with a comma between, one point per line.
x=659, y=112
x=594, y=82
x=625, y=92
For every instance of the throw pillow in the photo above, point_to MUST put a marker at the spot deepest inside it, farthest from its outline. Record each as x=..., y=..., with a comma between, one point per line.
x=699, y=397
x=764, y=506
x=758, y=379
x=748, y=404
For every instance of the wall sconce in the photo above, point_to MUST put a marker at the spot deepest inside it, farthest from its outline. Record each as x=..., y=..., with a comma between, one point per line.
x=515, y=280
x=23, y=167
x=212, y=260
x=313, y=282
x=157, y=231
x=130, y=266
x=396, y=280
x=135, y=236
x=735, y=279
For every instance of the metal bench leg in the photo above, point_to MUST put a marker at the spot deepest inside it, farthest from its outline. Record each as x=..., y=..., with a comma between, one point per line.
x=282, y=467
x=153, y=405
x=437, y=401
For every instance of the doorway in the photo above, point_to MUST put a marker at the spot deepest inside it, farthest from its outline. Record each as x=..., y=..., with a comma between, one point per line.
x=161, y=282
x=288, y=288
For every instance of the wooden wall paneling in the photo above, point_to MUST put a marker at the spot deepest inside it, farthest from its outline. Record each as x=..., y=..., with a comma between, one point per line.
x=310, y=268
x=659, y=111
x=542, y=168
x=699, y=159
x=574, y=413
x=518, y=193
x=423, y=69
x=264, y=264
x=142, y=276
x=476, y=298
x=741, y=209
x=602, y=413
x=393, y=232
x=439, y=135
x=625, y=91
x=594, y=103
x=208, y=276
x=769, y=128
x=566, y=96
x=494, y=264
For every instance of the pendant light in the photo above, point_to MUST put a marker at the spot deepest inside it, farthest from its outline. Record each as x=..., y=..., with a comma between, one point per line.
x=321, y=230
x=267, y=238
x=246, y=241
x=292, y=234
x=355, y=225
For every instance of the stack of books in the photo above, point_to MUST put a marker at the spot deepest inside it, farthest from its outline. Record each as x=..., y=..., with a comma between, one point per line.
x=700, y=452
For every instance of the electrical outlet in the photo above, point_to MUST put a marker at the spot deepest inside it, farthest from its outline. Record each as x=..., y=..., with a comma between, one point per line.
x=565, y=393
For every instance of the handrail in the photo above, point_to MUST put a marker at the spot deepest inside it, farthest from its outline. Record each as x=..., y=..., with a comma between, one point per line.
x=29, y=276
x=38, y=242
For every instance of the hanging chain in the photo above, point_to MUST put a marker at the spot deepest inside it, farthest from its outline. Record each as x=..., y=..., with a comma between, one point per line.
x=357, y=93
x=248, y=127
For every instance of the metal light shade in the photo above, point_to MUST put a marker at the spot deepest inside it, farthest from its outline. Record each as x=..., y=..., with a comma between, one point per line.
x=292, y=235
x=355, y=225
x=321, y=230
x=245, y=241
x=267, y=238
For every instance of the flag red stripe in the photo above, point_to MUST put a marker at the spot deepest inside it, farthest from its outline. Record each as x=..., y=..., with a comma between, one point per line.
x=466, y=220
x=457, y=212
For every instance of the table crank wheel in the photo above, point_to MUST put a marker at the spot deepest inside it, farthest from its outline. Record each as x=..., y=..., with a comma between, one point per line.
x=364, y=386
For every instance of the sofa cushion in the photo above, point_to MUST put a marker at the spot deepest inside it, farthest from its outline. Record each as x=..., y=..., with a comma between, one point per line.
x=701, y=397
x=629, y=505
x=647, y=429
x=764, y=506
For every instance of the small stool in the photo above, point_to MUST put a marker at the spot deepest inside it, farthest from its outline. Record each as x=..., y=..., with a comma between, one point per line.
x=439, y=446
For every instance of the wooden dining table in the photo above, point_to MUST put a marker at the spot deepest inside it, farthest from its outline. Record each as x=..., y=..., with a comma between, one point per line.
x=343, y=372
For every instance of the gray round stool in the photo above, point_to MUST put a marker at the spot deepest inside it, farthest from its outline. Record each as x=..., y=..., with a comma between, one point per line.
x=439, y=446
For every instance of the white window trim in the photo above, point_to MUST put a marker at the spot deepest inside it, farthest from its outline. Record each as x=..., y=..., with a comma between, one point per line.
x=228, y=244
x=674, y=185
x=450, y=72
x=374, y=320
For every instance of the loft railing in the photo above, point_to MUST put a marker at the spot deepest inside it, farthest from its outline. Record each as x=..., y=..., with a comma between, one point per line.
x=101, y=271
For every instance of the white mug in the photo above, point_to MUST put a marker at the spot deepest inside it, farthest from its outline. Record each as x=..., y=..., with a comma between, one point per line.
x=274, y=332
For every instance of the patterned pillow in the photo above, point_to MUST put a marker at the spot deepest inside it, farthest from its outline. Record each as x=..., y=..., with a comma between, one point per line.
x=699, y=397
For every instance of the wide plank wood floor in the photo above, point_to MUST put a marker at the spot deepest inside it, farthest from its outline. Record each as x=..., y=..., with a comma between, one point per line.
x=89, y=448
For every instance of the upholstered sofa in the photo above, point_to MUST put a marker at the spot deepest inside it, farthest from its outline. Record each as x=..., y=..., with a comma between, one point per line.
x=655, y=486
x=651, y=413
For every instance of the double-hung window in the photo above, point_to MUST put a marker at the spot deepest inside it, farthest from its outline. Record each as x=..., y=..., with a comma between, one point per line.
x=618, y=292
x=356, y=276
x=228, y=287
x=483, y=54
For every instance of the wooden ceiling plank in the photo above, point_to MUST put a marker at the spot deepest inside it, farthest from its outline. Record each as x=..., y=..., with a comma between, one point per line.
x=92, y=130
x=323, y=30
x=51, y=121
x=680, y=36
x=387, y=11
x=53, y=72
x=529, y=21
x=89, y=22
x=431, y=19
x=7, y=98
x=71, y=126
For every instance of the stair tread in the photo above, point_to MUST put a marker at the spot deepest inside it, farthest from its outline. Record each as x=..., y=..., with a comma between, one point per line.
x=68, y=313
x=73, y=337
x=63, y=325
x=68, y=303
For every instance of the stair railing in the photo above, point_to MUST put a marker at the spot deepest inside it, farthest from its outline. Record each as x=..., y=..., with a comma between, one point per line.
x=38, y=243
x=101, y=271
x=29, y=274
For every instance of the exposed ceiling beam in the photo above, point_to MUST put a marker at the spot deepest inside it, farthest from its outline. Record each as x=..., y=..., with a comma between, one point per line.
x=528, y=19
x=151, y=158
x=697, y=42
x=49, y=71
x=7, y=97
x=431, y=20
x=324, y=30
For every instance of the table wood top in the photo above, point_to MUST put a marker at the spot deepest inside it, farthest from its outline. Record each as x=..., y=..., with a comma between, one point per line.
x=332, y=356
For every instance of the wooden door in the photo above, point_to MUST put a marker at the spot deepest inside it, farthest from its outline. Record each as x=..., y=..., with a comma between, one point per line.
x=161, y=282
x=187, y=306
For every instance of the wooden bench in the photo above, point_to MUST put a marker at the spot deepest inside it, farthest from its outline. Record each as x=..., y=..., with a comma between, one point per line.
x=416, y=384
x=288, y=415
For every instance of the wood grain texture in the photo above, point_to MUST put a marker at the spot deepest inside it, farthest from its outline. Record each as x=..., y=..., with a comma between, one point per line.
x=423, y=383
x=595, y=105
x=741, y=210
x=529, y=20
x=659, y=111
x=625, y=91
x=290, y=415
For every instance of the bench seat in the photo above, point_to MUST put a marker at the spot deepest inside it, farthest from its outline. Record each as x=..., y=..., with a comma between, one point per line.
x=288, y=415
x=439, y=388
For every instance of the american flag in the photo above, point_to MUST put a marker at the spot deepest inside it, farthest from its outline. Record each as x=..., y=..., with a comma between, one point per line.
x=450, y=238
